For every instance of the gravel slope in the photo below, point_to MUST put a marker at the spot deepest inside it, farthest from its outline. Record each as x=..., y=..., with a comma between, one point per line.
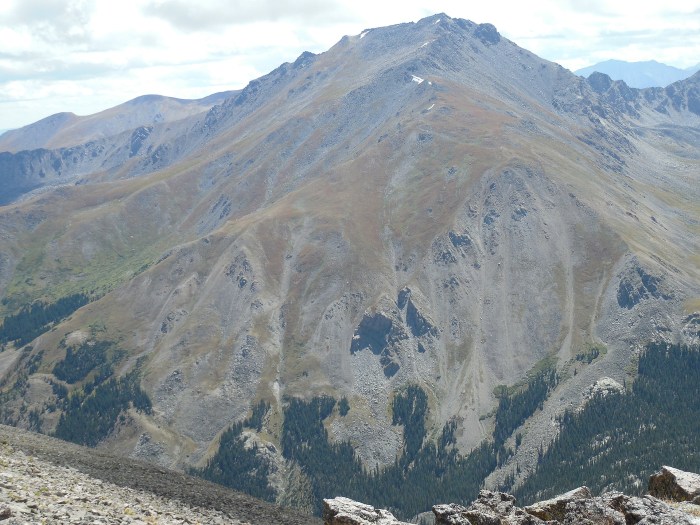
x=149, y=478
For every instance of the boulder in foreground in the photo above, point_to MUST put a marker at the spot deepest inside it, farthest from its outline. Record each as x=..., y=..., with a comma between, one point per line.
x=573, y=508
x=490, y=508
x=344, y=511
x=555, y=508
x=676, y=485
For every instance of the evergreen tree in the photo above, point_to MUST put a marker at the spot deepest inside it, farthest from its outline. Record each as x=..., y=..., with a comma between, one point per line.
x=33, y=320
x=620, y=438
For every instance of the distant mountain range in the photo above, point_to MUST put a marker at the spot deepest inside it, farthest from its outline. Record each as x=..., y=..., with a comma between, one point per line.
x=640, y=74
x=65, y=129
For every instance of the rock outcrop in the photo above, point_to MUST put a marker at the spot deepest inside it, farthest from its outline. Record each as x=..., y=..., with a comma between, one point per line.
x=555, y=508
x=576, y=507
x=490, y=508
x=673, y=484
x=644, y=510
x=344, y=511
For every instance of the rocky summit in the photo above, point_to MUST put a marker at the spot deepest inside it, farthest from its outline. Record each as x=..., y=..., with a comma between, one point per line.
x=417, y=256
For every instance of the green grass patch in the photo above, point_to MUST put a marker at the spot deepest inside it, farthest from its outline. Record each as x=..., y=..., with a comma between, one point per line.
x=591, y=353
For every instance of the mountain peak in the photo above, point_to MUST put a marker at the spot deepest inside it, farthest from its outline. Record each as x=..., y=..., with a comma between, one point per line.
x=488, y=34
x=435, y=19
x=600, y=82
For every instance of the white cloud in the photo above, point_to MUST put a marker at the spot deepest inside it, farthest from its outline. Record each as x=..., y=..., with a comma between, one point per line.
x=87, y=55
x=214, y=14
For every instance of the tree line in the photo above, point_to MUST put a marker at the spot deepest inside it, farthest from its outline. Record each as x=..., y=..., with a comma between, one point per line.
x=35, y=319
x=91, y=414
x=620, y=438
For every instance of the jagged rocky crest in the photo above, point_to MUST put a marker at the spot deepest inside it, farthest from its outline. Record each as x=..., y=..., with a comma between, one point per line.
x=668, y=490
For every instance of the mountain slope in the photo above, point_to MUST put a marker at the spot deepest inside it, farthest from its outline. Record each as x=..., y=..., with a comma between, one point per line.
x=423, y=205
x=656, y=420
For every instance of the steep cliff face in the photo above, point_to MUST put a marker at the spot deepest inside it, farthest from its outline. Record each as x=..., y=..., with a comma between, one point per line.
x=422, y=204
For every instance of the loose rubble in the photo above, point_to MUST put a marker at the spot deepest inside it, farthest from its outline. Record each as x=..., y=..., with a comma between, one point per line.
x=577, y=507
x=147, y=482
x=38, y=492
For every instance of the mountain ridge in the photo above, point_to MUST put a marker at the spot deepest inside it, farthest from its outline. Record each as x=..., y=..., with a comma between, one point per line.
x=64, y=130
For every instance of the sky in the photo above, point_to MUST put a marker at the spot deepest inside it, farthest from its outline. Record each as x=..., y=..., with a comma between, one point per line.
x=84, y=56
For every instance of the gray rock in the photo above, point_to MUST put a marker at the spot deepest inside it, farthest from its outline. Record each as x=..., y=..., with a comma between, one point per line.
x=677, y=485
x=344, y=511
x=645, y=510
x=555, y=508
x=5, y=512
x=450, y=514
x=576, y=507
x=638, y=285
x=590, y=512
x=417, y=323
x=491, y=508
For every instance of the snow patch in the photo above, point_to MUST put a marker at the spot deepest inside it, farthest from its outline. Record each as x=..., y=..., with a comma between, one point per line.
x=416, y=79
x=431, y=107
x=362, y=35
x=425, y=44
x=438, y=21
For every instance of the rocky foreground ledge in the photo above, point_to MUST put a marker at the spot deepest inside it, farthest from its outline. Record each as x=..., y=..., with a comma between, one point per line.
x=673, y=499
x=34, y=491
x=48, y=481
